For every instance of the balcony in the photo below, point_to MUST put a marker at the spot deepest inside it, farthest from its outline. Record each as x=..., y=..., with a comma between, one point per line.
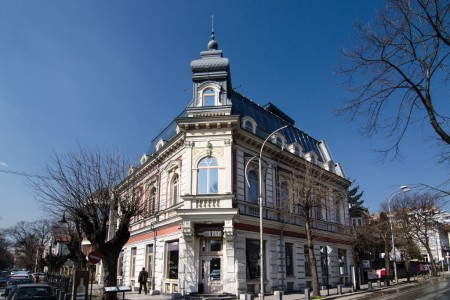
x=274, y=214
x=208, y=201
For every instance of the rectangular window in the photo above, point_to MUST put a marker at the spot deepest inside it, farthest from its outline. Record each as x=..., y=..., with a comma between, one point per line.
x=253, y=262
x=150, y=260
x=307, y=261
x=213, y=181
x=203, y=181
x=133, y=262
x=120, y=264
x=324, y=260
x=289, y=259
x=172, y=260
x=342, y=255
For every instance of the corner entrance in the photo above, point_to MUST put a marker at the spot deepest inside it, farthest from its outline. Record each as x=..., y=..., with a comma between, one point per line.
x=210, y=266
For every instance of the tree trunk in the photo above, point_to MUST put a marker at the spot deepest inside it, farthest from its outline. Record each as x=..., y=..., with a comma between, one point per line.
x=312, y=258
x=387, y=264
x=357, y=263
x=433, y=263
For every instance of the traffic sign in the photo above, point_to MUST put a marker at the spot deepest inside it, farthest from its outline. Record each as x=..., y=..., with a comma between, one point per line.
x=95, y=257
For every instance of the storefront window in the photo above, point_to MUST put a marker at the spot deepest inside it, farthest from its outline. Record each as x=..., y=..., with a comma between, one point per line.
x=289, y=259
x=172, y=260
x=253, y=261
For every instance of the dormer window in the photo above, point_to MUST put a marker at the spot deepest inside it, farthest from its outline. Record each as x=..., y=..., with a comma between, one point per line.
x=311, y=157
x=249, y=124
x=278, y=139
x=209, y=97
x=159, y=145
x=296, y=149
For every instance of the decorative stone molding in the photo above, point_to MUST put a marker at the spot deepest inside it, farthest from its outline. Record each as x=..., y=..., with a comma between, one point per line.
x=188, y=230
x=228, y=230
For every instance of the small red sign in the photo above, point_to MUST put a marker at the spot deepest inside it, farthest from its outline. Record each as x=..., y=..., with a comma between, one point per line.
x=95, y=257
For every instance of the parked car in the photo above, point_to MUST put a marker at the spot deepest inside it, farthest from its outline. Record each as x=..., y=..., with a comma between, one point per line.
x=38, y=277
x=13, y=282
x=36, y=291
x=4, y=281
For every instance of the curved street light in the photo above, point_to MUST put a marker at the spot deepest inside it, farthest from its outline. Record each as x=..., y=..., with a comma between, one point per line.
x=260, y=199
x=403, y=189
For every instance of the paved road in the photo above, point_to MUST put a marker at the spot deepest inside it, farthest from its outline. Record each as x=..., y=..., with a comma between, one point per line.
x=434, y=290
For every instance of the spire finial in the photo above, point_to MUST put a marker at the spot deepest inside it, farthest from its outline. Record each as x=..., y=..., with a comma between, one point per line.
x=212, y=27
x=212, y=45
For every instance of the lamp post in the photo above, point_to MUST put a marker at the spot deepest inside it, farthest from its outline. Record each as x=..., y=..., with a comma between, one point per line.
x=152, y=227
x=260, y=199
x=403, y=189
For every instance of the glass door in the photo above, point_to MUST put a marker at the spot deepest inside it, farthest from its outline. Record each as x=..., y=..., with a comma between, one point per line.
x=211, y=266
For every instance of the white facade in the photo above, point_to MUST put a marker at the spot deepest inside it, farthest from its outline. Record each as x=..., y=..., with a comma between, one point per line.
x=201, y=230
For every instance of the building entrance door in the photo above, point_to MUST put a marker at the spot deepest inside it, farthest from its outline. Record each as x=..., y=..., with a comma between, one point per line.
x=211, y=266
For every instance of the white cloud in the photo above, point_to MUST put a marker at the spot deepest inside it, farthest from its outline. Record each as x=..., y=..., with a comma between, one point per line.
x=3, y=164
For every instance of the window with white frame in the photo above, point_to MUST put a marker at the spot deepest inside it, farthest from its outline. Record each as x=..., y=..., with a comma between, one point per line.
x=289, y=259
x=338, y=211
x=278, y=139
x=283, y=196
x=252, y=187
x=151, y=201
x=149, y=252
x=159, y=145
x=249, y=124
x=136, y=197
x=342, y=256
x=172, y=260
x=307, y=261
x=133, y=262
x=209, y=97
x=175, y=189
x=208, y=176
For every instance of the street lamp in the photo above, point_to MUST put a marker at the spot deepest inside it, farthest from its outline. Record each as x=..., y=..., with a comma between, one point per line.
x=403, y=189
x=260, y=199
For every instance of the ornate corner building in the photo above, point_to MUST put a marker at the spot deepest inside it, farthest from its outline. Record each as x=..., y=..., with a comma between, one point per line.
x=199, y=184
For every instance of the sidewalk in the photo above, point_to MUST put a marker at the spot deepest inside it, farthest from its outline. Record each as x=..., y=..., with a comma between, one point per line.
x=347, y=293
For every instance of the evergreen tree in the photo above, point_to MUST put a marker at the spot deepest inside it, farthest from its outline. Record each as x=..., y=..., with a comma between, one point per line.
x=354, y=196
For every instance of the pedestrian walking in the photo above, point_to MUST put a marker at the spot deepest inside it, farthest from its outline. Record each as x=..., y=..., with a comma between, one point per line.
x=143, y=276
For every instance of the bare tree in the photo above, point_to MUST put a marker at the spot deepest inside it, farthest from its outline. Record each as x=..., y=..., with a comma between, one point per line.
x=83, y=184
x=380, y=226
x=398, y=69
x=305, y=195
x=6, y=257
x=362, y=237
x=29, y=239
x=419, y=211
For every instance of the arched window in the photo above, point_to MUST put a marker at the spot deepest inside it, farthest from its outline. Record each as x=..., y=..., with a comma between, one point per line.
x=151, y=201
x=209, y=97
x=297, y=150
x=175, y=189
x=252, y=192
x=248, y=125
x=208, y=176
x=278, y=139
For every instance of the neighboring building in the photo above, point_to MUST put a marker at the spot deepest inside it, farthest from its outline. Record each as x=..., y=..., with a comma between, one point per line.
x=439, y=241
x=200, y=231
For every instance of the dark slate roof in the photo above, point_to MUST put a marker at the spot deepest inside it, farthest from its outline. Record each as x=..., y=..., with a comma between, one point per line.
x=267, y=121
x=168, y=133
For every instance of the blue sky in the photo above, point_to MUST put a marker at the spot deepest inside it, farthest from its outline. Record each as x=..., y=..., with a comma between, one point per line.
x=114, y=73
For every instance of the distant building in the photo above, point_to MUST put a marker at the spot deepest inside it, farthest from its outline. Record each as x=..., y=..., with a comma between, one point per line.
x=199, y=184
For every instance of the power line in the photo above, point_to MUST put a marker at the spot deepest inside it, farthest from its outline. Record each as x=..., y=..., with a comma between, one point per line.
x=23, y=174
